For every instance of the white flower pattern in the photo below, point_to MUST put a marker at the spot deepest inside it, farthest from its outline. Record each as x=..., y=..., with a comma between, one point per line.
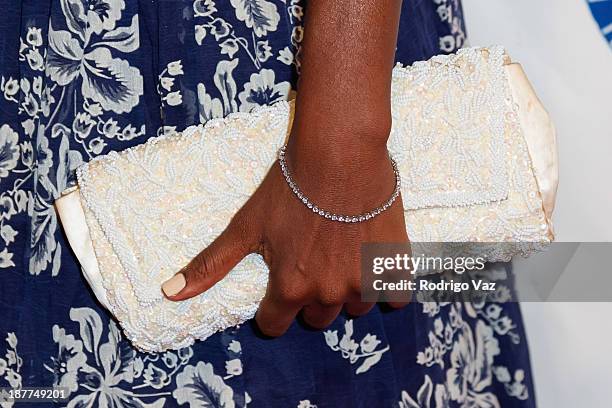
x=78, y=92
x=363, y=352
x=262, y=90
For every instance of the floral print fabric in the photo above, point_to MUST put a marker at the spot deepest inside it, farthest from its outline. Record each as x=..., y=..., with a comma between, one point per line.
x=79, y=78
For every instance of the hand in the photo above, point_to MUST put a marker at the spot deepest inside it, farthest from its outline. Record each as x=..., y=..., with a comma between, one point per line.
x=314, y=262
x=337, y=155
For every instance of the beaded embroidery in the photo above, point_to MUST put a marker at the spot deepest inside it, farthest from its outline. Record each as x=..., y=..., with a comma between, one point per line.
x=150, y=209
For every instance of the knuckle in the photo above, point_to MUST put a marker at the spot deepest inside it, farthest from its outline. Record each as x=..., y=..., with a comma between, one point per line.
x=330, y=296
x=204, y=265
x=301, y=268
x=291, y=295
x=288, y=289
x=211, y=261
x=197, y=268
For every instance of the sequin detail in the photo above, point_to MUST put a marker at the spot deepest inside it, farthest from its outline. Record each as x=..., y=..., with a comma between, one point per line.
x=460, y=151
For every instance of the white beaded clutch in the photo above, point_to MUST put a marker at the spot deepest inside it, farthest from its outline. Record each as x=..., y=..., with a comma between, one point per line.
x=475, y=148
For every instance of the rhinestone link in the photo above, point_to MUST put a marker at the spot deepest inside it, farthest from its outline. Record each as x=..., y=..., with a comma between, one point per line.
x=347, y=219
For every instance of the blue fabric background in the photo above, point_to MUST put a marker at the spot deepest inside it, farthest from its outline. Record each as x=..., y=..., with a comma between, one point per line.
x=82, y=77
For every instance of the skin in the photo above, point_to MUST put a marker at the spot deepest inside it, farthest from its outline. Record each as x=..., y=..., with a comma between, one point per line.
x=337, y=155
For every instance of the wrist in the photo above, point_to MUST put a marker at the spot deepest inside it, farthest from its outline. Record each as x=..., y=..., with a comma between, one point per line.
x=333, y=215
x=347, y=172
x=350, y=143
x=343, y=133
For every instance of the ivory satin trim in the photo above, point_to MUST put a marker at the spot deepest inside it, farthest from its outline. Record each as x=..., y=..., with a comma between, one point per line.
x=72, y=217
x=540, y=136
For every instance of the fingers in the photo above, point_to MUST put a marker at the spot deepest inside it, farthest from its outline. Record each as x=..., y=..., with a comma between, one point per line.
x=358, y=308
x=319, y=316
x=212, y=264
x=274, y=317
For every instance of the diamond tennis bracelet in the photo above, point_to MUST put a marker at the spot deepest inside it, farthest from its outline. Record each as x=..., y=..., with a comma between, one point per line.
x=332, y=216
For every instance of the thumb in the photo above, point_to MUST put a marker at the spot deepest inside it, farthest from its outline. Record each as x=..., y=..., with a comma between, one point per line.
x=212, y=264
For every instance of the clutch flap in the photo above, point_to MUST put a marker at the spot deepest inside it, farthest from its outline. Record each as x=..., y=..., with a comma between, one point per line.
x=451, y=120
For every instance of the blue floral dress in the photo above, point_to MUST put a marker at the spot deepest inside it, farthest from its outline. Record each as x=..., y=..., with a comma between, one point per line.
x=79, y=78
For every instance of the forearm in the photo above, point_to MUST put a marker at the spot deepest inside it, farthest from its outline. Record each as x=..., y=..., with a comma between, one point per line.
x=343, y=112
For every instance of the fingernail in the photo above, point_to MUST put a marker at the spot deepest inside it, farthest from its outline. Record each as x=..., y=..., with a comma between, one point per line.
x=174, y=285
